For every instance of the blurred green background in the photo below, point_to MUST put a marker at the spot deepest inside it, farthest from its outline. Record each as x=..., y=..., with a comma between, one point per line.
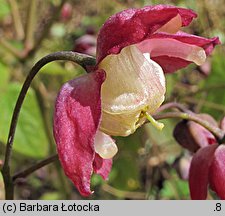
x=149, y=163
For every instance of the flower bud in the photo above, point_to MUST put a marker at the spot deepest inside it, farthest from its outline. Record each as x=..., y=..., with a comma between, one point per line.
x=193, y=136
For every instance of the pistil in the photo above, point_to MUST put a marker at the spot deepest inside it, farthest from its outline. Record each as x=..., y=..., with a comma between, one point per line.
x=156, y=124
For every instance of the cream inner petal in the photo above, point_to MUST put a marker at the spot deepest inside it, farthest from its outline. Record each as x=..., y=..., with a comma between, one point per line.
x=105, y=145
x=173, y=48
x=172, y=26
x=157, y=72
x=120, y=124
x=132, y=81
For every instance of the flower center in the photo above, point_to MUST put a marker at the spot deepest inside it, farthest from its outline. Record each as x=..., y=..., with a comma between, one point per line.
x=145, y=115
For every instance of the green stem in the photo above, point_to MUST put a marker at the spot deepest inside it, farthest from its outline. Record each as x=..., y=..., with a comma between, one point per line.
x=193, y=117
x=205, y=103
x=41, y=93
x=31, y=18
x=81, y=59
x=125, y=194
x=15, y=52
x=47, y=24
x=16, y=19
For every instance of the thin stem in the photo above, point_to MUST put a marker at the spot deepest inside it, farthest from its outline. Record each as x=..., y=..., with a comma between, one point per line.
x=193, y=117
x=120, y=193
x=35, y=167
x=16, y=19
x=81, y=59
x=205, y=103
x=46, y=29
x=41, y=93
x=31, y=18
x=172, y=105
x=4, y=43
x=204, y=89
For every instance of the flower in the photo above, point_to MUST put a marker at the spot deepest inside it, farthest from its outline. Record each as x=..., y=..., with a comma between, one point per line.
x=134, y=49
x=208, y=168
x=193, y=136
x=66, y=12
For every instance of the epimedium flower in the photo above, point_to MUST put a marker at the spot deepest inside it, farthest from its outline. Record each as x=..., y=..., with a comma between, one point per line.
x=135, y=48
x=192, y=136
x=208, y=169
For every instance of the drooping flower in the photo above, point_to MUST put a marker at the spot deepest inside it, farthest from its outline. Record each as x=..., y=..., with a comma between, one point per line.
x=192, y=136
x=208, y=169
x=134, y=49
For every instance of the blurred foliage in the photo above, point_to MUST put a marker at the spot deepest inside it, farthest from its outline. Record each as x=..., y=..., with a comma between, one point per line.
x=144, y=165
x=27, y=140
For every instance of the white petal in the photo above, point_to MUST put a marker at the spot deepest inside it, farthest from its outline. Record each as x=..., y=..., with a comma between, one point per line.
x=105, y=145
x=133, y=83
x=120, y=124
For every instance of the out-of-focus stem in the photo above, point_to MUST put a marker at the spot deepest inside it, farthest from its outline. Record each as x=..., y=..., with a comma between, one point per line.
x=41, y=93
x=205, y=103
x=16, y=19
x=4, y=43
x=31, y=19
x=35, y=167
x=126, y=194
x=47, y=26
x=171, y=105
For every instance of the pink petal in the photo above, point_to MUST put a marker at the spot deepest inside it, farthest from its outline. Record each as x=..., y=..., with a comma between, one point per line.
x=135, y=25
x=202, y=136
x=199, y=172
x=76, y=120
x=174, y=51
x=193, y=136
x=102, y=166
x=166, y=63
x=217, y=172
x=206, y=43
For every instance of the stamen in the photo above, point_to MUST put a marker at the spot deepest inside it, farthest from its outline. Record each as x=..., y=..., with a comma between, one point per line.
x=156, y=124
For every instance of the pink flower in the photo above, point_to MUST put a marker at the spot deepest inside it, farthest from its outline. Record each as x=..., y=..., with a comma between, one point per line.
x=85, y=44
x=193, y=136
x=134, y=49
x=208, y=169
x=66, y=12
